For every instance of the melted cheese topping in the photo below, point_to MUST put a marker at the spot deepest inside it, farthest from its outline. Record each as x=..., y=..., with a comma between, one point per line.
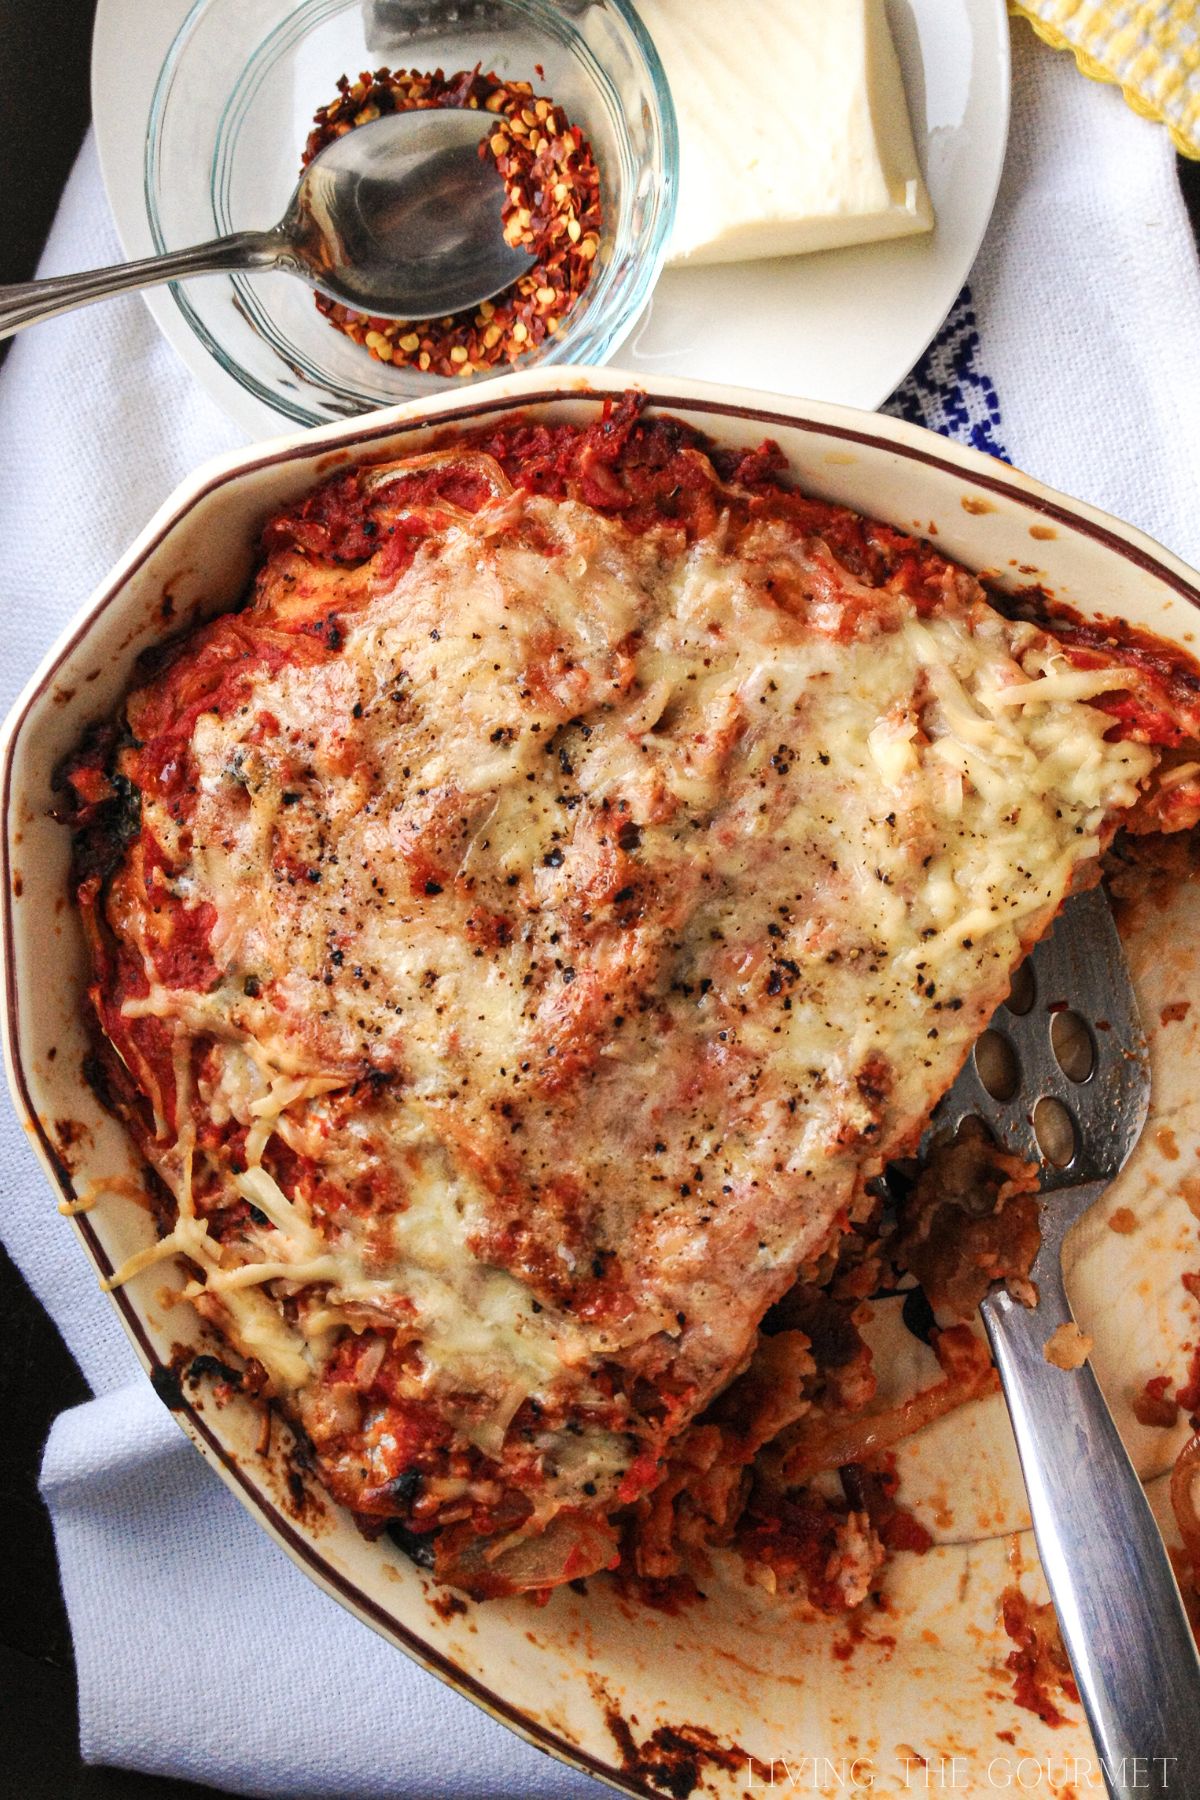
x=595, y=922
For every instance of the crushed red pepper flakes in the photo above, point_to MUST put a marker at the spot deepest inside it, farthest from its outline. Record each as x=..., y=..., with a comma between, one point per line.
x=551, y=206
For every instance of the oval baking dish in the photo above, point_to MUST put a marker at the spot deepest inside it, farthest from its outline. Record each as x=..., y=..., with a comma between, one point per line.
x=649, y=1700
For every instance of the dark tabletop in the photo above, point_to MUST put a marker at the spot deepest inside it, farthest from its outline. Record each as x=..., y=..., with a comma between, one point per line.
x=43, y=116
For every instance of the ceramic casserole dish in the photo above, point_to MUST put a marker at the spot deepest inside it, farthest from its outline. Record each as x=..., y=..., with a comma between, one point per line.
x=735, y=1693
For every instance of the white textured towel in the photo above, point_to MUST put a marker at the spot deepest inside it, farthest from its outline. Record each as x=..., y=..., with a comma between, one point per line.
x=1077, y=352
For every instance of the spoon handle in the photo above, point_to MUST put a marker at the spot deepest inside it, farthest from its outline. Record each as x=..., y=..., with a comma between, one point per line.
x=1119, y=1608
x=28, y=302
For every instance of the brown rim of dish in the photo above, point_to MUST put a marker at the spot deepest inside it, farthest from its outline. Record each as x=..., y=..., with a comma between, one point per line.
x=305, y=1552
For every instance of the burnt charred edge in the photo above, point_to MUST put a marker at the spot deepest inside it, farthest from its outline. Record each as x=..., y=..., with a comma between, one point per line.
x=101, y=845
x=918, y=1315
x=95, y=1074
x=771, y=467
x=95, y=748
x=157, y=657
x=826, y=1323
x=376, y=1081
x=671, y=1758
x=208, y=1365
x=625, y=1741
x=301, y=1451
x=112, y=1085
x=405, y=1487
x=1034, y=605
x=126, y=818
x=64, y=1175
x=676, y=1766
x=162, y=1200
x=99, y=747
x=416, y=1545
x=167, y=1385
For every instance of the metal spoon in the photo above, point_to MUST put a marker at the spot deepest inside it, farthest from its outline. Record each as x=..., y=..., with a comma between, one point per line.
x=400, y=218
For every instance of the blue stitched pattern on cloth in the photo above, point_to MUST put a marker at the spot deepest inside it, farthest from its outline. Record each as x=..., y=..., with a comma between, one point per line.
x=949, y=391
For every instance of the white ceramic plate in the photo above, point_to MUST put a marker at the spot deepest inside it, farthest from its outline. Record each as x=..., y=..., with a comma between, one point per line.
x=843, y=326
x=609, y=1686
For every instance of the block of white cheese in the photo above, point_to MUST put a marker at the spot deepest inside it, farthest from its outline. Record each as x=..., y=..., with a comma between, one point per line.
x=793, y=127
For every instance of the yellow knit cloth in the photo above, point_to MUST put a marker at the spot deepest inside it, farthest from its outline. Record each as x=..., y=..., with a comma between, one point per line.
x=1149, y=48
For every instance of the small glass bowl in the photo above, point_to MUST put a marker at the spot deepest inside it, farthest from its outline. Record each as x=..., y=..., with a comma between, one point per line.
x=234, y=105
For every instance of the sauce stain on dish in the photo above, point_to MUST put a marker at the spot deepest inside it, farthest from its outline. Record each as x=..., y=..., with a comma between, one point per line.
x=1167, y=1142
x=69, y=1134
x=1189, y=1190
x=333, y=460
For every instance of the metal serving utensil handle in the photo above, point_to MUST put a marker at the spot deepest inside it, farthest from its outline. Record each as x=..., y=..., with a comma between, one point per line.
x=28, y=302
x=1122, y=1618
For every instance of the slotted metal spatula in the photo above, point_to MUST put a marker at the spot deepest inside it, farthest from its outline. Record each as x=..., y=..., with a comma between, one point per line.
x=1062, y=1078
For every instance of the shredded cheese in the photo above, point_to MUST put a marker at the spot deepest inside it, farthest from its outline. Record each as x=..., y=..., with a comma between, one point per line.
x=588, y=929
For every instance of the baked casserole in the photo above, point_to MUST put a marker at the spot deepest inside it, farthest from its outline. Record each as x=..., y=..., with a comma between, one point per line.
x=525, y=933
